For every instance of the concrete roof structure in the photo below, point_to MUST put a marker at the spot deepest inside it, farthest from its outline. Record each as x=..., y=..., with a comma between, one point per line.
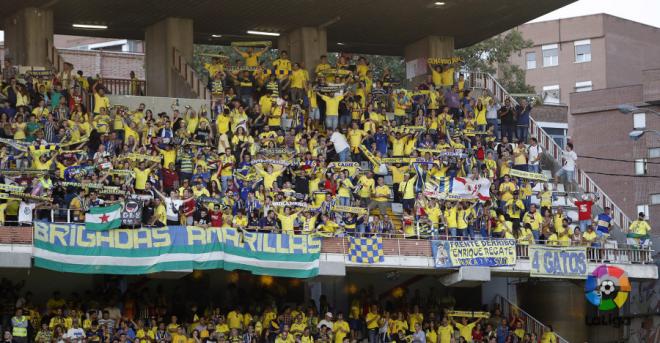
x=361, y=26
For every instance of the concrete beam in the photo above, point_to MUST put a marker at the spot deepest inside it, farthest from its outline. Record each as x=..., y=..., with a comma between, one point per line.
x=416, y=54
x=305, y=45
x=15, y=256
x=160, y=39
x=466, y=277
x=26, y=34
x=332, y=268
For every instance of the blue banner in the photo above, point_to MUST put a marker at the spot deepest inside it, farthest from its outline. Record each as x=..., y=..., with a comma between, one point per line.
x=485, y=253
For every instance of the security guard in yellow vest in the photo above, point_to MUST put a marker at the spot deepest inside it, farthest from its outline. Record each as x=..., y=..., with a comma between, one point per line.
x=19, y=325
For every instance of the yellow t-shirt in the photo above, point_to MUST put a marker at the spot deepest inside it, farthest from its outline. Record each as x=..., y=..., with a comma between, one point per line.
x=444, y=333
x=332, y=104
x=234, y=320
x=451, y=217
x=372, y=316
x=100, y=101
x=251, y=60
x=298, y=79
x=141, y=177
x=345, y=329
x=382, y=193
x=466, y=330
x=161, y=213
x=287, y=221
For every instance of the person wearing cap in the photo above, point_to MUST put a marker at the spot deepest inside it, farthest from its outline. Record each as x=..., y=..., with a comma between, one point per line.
x=638, y=232
x=327, y=321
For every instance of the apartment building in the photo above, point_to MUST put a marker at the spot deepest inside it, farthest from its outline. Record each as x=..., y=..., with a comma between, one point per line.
x=586, y=53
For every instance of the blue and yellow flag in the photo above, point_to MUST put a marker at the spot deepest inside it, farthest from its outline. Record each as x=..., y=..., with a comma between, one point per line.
x=366, y=250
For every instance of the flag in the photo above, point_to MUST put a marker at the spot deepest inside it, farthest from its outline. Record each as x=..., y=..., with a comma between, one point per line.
x=103, y=218
x=463, y=186
x=366, y=250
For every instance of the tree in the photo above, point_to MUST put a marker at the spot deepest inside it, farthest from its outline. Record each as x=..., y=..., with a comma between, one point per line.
x=493, y=53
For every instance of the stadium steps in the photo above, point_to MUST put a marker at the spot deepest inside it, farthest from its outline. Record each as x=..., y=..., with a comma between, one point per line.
x=479, y=83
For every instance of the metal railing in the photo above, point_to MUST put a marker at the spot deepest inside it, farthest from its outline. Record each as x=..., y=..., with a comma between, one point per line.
x=487, y=82
x=188, y=73
x=583, y=180
x=531, y=324
x=393, y=244
x=125, y=86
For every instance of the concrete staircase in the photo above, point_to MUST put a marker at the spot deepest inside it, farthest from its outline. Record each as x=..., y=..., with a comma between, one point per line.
x=484, y=82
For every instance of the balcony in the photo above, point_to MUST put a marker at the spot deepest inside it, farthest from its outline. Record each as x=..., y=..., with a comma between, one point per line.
x=412, y=255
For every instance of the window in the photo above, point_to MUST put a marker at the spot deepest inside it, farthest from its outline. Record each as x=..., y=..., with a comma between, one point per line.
x=640, y=166
x=655, y=199
x=639, y=120
x=584, y=86
x=531, y=60
x=583, y=51
x=550, y=55
x=654, y=152
x=551, y=94
x=644, y=209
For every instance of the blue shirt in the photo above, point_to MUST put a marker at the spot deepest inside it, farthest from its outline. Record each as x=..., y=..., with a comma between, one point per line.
x=381, y=143
x=604, y=222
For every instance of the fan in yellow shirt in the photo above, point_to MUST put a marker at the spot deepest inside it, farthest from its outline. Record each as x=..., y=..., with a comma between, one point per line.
x=445, y=331
x=465, y=328
x=251, y=57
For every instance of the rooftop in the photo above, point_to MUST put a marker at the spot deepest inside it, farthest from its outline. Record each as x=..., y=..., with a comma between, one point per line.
x=392, y=24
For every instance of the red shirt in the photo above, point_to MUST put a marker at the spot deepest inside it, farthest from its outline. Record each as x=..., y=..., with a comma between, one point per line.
x=169, y=177
x=187, y=207
x=216, y=218
x=584, y=209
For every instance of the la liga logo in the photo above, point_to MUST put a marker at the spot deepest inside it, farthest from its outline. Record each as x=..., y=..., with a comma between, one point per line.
x=607, y=287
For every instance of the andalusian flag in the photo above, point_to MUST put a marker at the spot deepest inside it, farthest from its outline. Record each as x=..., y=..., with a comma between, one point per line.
x=103, y=218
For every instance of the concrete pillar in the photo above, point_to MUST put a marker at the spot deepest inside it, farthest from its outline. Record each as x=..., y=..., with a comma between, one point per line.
x=160, y=40
x=416, y=54
x=26, y=35
x=305, y=45
x=557, y=303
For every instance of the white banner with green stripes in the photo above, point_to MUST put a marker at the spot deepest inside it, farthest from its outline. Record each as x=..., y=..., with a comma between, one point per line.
x=72, y=248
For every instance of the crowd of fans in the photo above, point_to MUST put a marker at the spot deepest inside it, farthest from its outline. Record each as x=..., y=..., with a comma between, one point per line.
x=287, y=150
x=122, y=318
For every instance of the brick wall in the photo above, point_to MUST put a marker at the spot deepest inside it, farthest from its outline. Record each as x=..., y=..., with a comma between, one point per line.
x=109, y=64
x=112, y=65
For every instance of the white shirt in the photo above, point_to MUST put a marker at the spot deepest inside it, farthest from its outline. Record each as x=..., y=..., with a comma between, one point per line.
x=326, y=323
x=25, y=212
x=170, y=206
x=532, y=153
x=339, y=141
x=491, y=111
x=75, y=334
x=569, y=160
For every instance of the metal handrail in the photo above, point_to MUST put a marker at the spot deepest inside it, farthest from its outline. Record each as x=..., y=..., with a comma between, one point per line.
x=583, y=180
x=532, y=325
x=122, y=86
x=188, y=73
x=486, y=81
x=621, y=254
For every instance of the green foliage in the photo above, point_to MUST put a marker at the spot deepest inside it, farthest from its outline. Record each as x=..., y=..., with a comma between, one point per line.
x=489, y=53
x=198, y=60
x=512, y=78
x=395, y=64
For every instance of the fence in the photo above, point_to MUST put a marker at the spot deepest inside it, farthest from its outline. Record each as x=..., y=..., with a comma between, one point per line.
x=124, y=86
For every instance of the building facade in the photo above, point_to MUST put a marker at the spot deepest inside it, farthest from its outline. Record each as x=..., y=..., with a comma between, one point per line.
x=626, y=169
x=586, y=53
